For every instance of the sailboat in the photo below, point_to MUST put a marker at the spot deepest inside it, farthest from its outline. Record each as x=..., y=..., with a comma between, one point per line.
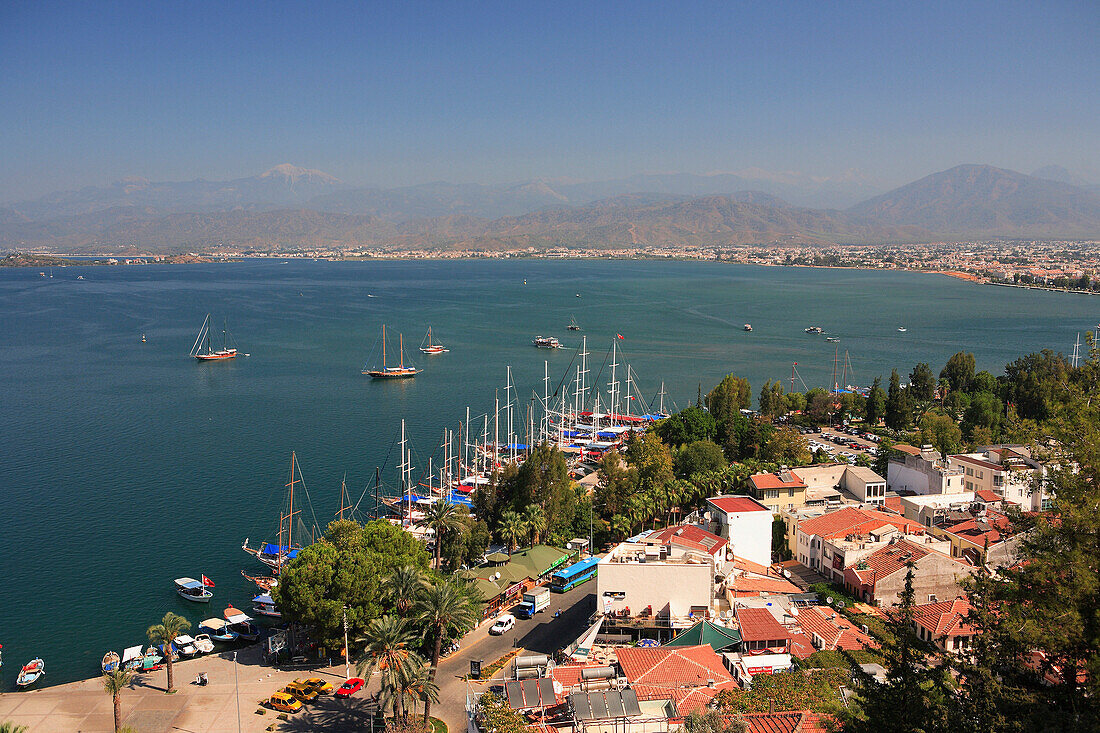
x=388, y=372
x=433, y=348
x=203, y=349
x=276, y=554
x=573, y=324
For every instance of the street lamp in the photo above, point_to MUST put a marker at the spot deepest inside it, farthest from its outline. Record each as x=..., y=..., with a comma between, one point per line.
x=237, y=692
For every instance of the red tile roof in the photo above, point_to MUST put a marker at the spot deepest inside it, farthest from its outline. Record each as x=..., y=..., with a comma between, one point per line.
x=893, y=503
x=988, y=496
x=775, y=481
x=886, y=560
x=904, y=448
x=690, y=536
x=834, y=630
x=685, y=666
x=979, y=462
x=946, y=618
x=852, y=520
x=754, y=585
x=795, y=721
x=801, y=646
x=687, y=699
x=758, y=624
x=994, y=527
x=734, y=504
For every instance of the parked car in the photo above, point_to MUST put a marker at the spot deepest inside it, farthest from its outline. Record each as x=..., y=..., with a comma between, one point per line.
x=301, y=690
x=350, y=687
x=321, y=686
x=503, y=624
x=284, y=702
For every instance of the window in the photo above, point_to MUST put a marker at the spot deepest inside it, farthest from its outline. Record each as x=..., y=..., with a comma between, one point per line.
x=931, y=597
x=771, y=494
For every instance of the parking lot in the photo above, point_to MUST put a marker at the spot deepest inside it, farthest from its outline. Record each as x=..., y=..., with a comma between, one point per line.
x=843, y=444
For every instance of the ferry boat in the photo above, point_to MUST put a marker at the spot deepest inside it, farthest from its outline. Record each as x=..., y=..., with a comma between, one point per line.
x=431, y=348
x=546, y=342
x=195, y=590
x=387, y=372
x=30, y=673
x=203, y=349
x=814, y=329
x=747, y=327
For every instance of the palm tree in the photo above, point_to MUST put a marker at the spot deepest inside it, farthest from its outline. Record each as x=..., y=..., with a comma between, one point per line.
x=171, y=626
x=403, y=587
x=512, y=528
x=420, y=685
x=535, y=519
x=114, y=683
x=443, y=517
x=386, y=649
x=445, y=607
x=7, y=727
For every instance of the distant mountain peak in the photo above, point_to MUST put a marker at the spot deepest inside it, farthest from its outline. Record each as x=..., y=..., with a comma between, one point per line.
x=293, y=174
x=1060, y=174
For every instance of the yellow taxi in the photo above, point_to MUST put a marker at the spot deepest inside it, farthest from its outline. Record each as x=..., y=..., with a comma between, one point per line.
x=284, y=702
x=319, y=685
x=301, y=690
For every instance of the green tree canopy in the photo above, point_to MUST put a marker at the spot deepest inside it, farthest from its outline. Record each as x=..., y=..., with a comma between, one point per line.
x=958, y=372
x=897, y=404
x=728, y=398
x=345, y=568
x=941, y=432
x=875, y=407
x=699, y=457
x=687, y=426
x=922, y=383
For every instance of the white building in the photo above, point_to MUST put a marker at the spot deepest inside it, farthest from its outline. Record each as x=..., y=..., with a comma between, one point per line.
x=858, y=482
x=746, y=524
x=922, y=471
x=1008, y=471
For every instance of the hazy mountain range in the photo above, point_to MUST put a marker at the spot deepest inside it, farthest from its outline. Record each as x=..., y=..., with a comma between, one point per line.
x=290, y=207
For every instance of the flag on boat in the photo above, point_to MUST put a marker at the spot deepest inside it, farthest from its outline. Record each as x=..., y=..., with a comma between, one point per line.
x=620, y=336
x=207, y=582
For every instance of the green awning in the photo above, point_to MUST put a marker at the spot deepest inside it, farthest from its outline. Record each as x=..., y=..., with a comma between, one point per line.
x=719, y=638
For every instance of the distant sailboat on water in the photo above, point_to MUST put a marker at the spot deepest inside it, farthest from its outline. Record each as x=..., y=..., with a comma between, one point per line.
x=431, y=348
x=392, y=372
x=203, y=349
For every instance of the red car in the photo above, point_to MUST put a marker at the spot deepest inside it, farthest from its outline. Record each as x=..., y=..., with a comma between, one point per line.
x=349, y=688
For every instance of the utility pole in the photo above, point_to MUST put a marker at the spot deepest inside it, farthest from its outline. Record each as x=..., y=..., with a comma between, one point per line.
x=347, y=650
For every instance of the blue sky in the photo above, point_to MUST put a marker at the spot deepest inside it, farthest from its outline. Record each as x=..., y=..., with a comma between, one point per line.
x=407, y=92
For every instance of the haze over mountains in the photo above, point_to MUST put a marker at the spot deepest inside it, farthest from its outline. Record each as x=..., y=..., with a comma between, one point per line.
x=290, y=207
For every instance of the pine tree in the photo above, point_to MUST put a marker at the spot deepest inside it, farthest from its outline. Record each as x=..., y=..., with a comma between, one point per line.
x=897, y=404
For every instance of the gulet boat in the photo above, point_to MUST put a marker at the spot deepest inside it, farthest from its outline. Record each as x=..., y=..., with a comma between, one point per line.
x=392, y=372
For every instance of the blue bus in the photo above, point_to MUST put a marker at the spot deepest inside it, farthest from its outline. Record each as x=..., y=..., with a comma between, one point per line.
x=574, y=575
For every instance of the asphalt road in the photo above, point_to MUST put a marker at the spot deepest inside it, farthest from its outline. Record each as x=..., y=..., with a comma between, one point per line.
x=542, y=634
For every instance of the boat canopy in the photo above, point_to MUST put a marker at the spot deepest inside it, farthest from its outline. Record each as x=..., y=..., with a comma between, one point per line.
x=215, y=624
x=188, y=583
x=240, y=618
x=270, y=548
x=458, y=498
x=183, y=640
x=514, y=446
x=264, y=598
x=131, y=653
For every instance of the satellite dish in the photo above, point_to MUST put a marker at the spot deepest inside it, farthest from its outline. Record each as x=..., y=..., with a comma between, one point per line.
x=786, y=573
x=840, y=604
x=828, y=600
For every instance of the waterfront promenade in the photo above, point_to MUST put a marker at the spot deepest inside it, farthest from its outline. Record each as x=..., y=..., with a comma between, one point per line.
x=85, y=707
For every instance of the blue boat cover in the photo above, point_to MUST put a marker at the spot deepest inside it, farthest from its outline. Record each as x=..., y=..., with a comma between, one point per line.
x=264, y=598
x=456, y=497
x=606, y=435
x=515, y=446
x=273, y=549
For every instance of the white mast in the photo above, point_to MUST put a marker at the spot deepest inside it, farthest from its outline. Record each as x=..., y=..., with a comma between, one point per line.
x=614, y=383
x=466, y=443
x=496, y=431
x=508, y=408
x=1076, y=351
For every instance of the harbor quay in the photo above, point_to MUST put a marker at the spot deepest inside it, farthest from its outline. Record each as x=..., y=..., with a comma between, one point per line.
x=84, y=706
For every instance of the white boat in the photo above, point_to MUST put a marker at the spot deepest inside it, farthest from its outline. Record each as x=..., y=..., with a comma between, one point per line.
x=110, y=662
x=747, y=327
x=193, y=590
x=814, y=329
x=264, y=605
x=203, y=349
x=216, y=629
x=241, y=624
x=432, y=348
x=902, y=329
x=132, y=657
x=546, y=342
x=184, y=645
x=30, y=673
x=204, y=643
x=832, y=339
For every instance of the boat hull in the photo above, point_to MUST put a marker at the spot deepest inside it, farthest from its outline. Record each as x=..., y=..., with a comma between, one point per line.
x=392, y=374
x=204, y=598
x=217, y=356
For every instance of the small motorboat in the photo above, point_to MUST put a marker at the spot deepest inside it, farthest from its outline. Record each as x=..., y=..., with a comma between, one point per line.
x=902, y=329
x=546, y=342
x=142, y=338
x=264, y=605
x=184, y=645
x=832, y=339
x=241, y=624
x=216, y=629
x=131, y=658
x=814, y=329
x=204, y=643
x=30, y=673
x=110, y=662
x=194, y=590
x=747, y=327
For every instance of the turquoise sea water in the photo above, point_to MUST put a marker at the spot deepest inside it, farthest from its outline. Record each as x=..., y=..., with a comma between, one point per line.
x=126, y=465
